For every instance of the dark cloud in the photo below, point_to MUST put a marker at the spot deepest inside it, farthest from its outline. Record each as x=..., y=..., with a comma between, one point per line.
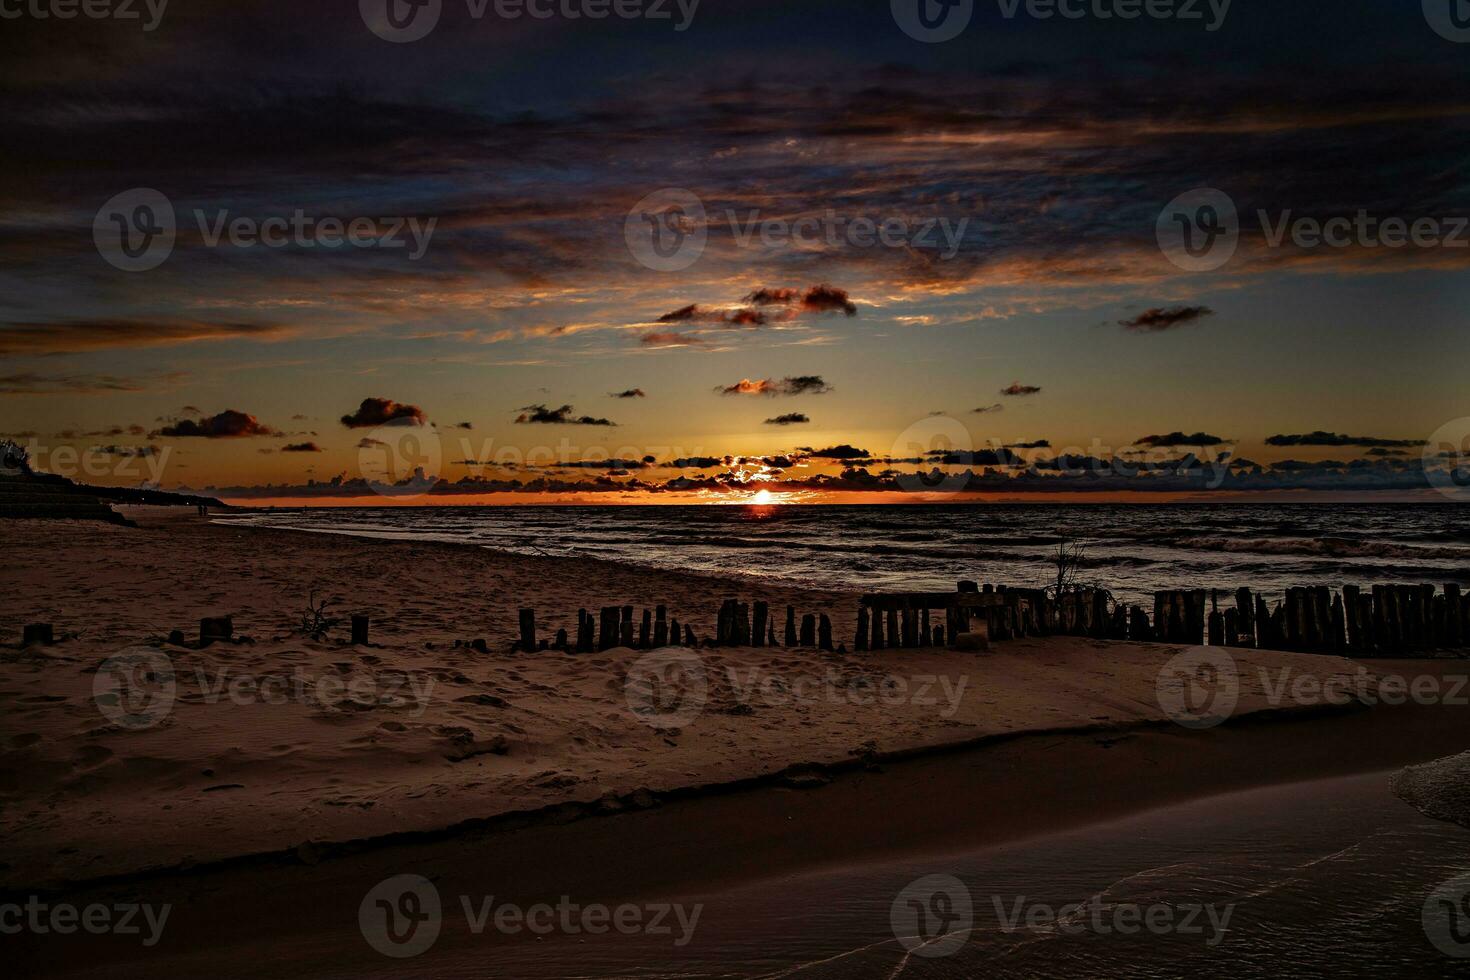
x=987, y=409
x=630, y=393
x=368, y=443
x=1160, y=319
x=464, y=425
x=806, y=384
x=1038, y=444
x=695, y=462
x=668, y=339
x=1173, y=439
x=1016, y=390
x=1320, y=438
x=828, y=299
x=301, y=447
x=790, y=418
x=540, y=414
x=843, y=451
x=228, y=424
x=73, y=336
x=374, y=412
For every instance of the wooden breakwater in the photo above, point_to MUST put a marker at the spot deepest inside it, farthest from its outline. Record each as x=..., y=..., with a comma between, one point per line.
x=1381, y=621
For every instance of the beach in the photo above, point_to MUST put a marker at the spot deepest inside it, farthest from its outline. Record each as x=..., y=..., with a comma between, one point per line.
x=301, y=771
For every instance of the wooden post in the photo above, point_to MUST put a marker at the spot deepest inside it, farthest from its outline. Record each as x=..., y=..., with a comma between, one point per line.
x=1351, y=624
x=359, y=631
x=689, y=640
x=758, y=629
x=1232, y=627
x=808, y=630
x=1293, y=634
x=660, y=627
x=1138, y=628
x=41, y=634
x=771, y=633
x=966, y=586
x=910, y=634
x=1217, y=628
x=1245, y=618
x=528, y=630
x=584, y=631
x=939, y=636
x=215, y=628
x=894, y=638
x=1265, y=636
x=742, y=623
x=924, y=634
x=878, y=639
x=625, y=637
x=1338, y=619
x=791, y=626
x=1161, y=616
x=561, y=641
x=675, y=636
x=860, y=642
x=725, y=624
x=824, y=633
x=645, y=630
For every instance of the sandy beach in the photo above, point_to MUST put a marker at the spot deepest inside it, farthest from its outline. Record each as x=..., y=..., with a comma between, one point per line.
x=282, y=762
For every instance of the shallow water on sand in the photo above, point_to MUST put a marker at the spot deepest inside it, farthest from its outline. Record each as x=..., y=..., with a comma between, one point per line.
x=1132, y=549
x=1321, y=879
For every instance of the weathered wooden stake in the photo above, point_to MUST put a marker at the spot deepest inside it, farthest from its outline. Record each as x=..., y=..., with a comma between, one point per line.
x=894, y=637
x=359, y=631
x=877, y=631
x=645, y=630
x=41, y=634
x=860, y=642
x=215, y=628
x=607, y=636
x=762, y=621
x=824, y=633
x=791, y=626
x=675, y=636
x=1217, y=629
x=808, y=630
x=689, y=640
x=660, y=627
x=528, y=630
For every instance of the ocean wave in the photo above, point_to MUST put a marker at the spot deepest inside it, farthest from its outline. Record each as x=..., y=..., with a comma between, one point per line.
x=1334, y=547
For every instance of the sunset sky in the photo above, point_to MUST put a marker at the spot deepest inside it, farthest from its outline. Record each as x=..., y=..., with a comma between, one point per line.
x=1052, y=321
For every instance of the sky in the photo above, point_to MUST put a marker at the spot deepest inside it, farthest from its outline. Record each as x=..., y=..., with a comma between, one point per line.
x=817, y=248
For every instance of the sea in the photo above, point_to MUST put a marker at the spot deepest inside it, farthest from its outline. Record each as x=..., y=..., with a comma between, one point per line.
x=1130, y=549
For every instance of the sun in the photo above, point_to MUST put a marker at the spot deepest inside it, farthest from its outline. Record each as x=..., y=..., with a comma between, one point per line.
x=763, y=497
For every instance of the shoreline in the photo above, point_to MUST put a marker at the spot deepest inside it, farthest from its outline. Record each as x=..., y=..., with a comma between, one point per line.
x=860, y=817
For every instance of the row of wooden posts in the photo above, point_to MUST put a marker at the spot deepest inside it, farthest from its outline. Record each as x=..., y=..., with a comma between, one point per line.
x=616, y=626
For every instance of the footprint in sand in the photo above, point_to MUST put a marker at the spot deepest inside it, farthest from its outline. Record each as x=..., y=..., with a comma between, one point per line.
x=91, y=756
